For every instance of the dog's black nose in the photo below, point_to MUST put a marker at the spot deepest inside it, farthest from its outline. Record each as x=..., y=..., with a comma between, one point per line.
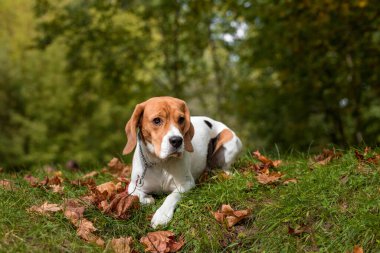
x=176, y=141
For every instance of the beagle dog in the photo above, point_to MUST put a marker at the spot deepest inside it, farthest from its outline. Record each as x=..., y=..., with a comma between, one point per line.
x=172, y=151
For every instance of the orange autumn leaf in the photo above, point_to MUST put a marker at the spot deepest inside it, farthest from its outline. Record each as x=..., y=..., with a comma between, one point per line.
x=230, y=216
x=122, y=245
x=162, y=241
x=270, y=178
x=358, y=249
x=45, y=208
x=266, y=161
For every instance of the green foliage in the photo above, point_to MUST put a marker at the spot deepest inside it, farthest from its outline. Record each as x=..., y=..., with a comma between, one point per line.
x=287, y=73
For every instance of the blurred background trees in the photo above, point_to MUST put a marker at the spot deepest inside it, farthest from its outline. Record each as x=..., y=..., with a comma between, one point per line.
x=296, y=74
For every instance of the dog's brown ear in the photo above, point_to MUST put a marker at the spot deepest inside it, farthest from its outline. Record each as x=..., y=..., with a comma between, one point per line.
x=131, y=128
x=223, y=137
x=189, y=131
x=188, y=137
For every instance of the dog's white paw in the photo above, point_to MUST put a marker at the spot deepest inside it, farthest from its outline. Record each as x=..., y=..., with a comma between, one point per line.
x=146, y=200
x=162, y=217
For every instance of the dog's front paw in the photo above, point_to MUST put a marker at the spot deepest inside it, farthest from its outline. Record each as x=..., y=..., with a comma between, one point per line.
x=161, y=217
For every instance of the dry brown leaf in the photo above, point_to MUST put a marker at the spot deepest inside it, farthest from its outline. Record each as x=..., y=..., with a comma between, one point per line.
x=230, y=216
x=118, y=168
x=162, y=241
x=57, y=188
x=89, y=182
x=327, y=156
x=290, y=180
x=31, y=180
x=109, y=188
x=122, y=245
x=45, y=208
x=85, y=231
x=73, y=210
x=121, y=206
x=273, y=177
x=266, y=161
x=7, y=185
x=90, y=174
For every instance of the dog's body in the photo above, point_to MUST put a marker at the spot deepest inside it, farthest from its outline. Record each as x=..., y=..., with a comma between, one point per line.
x=172, y=151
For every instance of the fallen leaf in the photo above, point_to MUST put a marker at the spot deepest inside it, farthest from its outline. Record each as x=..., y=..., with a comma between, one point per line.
x=299, y=230
x=57, y=188
x=224, y=175
x=162, y=241
x=73, y=210
x=45, y=208
x=273, y=177
x=266, y=161
x=249, y=185
x=109, y=188
x=7, y=184
x=118, y=168
x=89, y=182
x=31, y=180
x=90, y=174
x=290, y=180
x=122, y=245
x=358, y=249
x=230, y=216
x=374, y=159
x=326, y=156
x=85, y=231
x=121, y=205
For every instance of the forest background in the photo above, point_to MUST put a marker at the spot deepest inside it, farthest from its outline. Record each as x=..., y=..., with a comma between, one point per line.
x=286, y=75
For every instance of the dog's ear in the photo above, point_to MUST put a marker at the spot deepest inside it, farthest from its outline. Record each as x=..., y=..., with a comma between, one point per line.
x=189, y=131
x=131, y=128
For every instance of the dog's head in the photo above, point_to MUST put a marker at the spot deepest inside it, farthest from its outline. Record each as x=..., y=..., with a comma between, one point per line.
x=165, y=127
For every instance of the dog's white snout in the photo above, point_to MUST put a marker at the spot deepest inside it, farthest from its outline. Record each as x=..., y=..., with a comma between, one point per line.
x=176, y=141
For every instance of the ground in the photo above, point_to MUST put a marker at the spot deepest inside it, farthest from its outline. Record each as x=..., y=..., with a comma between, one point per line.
x=331, y=208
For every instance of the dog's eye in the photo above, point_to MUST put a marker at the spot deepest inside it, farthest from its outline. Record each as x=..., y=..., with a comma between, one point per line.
x=157, y=121
x=181, y=120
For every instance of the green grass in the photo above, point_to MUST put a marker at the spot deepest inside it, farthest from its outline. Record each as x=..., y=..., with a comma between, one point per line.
x=340, y=213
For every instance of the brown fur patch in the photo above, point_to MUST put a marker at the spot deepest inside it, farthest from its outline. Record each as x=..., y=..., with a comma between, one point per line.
x=223, y=137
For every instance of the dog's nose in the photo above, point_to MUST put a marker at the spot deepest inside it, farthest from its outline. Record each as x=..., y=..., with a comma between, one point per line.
x=176, y=141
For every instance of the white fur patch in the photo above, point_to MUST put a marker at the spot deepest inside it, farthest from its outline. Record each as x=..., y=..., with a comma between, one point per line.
x=166, y=148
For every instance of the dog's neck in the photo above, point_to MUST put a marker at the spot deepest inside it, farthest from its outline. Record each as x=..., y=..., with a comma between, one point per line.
x=149, y=160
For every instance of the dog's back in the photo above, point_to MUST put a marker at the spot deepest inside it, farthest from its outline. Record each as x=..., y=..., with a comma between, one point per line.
x=215, y=145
